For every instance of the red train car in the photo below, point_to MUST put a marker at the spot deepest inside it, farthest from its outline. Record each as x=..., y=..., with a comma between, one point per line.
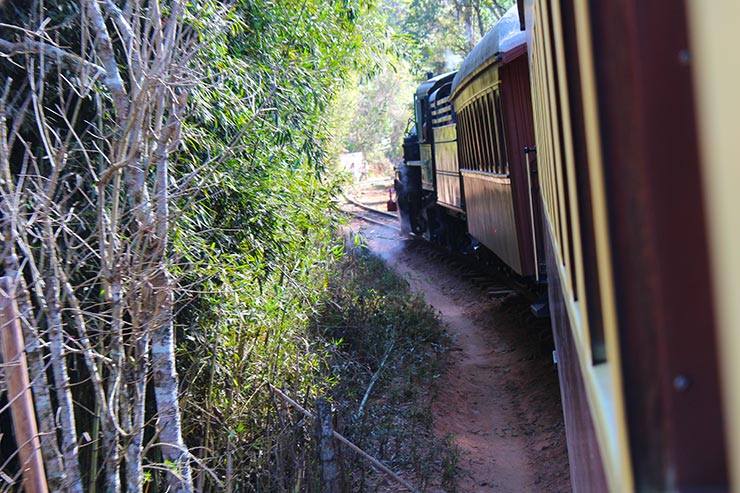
x=491, y=97
x=638, y=313
x=631, y=197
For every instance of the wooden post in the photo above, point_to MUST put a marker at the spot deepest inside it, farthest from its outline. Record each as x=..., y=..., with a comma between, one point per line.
x=19, y=391
x=327, y=451
x=375, y=462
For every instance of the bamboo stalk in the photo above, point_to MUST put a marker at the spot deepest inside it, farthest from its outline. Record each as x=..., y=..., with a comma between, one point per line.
x=375, y=462
x=19, y=392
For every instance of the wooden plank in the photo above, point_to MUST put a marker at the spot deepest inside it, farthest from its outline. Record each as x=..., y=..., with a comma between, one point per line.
x=327, y=453
x=587, y=472
x=19, y=391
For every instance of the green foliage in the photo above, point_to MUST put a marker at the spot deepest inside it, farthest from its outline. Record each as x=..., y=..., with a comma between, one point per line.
x=444, y=31
x=256, y=240
x=371, y=115
x=253, y=240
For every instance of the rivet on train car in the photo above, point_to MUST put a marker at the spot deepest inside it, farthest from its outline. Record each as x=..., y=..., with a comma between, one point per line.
x=681, y=383
x=684, y=57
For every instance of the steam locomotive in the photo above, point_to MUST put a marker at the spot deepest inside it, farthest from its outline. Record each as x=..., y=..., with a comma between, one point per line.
x=591, y=146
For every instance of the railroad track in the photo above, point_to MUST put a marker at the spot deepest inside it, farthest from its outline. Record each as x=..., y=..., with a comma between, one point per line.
x=492, y=282
x=371, y=215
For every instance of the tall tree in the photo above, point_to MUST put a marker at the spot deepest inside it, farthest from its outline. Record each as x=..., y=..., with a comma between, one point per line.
x=444, y=31
x=88, y=128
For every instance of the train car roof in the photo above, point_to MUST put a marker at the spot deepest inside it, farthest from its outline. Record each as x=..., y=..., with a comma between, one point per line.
x=430, y=85
x=505, y=35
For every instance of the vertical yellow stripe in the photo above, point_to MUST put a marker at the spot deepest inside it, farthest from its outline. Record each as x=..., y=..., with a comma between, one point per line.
x=715, y=36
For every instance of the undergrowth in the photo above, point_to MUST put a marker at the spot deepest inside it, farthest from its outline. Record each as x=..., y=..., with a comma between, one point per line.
x=386, y=347
x=326, y=331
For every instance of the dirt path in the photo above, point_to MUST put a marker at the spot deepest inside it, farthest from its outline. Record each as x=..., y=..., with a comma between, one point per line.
x=498, y=399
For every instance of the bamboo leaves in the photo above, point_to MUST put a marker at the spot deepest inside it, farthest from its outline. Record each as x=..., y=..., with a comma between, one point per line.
x=163, y=182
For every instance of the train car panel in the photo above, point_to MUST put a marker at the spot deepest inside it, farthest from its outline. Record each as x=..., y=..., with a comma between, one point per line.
x=486, y=92
x=636, y=198
x=445, y=150
x=586, y=475
x=713, y=29
x=423, y=112
x=427, y=166
x=448, y=174
x=514, y=108
x=664, y=295
x=489, y=197
x=589, y=308
x=490, y=212
x=650, y=369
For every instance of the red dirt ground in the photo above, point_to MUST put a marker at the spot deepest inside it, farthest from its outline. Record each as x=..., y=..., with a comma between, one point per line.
x=498, y=397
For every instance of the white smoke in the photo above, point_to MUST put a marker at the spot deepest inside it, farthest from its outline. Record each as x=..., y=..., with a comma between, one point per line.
x=452, y=60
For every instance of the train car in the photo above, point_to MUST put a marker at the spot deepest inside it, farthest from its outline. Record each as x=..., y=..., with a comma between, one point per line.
x=491, y=98
x=635, y=111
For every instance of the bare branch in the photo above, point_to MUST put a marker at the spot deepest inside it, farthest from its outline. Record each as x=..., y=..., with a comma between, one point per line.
x=30, y=47
x=107, y=55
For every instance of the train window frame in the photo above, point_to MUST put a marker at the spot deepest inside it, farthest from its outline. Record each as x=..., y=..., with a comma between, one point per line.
x=463, y=138
x=589, y=271
x=418, y=116
x=481, y=134
x=488, y=136
x=501, y=131
x=493, y=131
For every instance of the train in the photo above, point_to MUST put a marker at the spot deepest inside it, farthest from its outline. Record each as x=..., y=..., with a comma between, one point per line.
x=591, y=148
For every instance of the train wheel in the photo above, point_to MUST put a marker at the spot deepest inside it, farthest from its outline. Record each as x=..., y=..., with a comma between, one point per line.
x=419, y=225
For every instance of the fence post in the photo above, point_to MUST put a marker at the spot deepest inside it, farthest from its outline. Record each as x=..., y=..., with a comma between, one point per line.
x=19, y=391
x=327, y=451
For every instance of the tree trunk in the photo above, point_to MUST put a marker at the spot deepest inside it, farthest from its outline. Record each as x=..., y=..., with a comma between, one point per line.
x=174, y=451
x=70, y=452
x=40, y=385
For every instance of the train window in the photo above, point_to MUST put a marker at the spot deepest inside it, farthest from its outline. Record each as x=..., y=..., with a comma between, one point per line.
x=561, y=128
x=462, y=147
x=495, y=123
x=417, y=111
x=475, y=164
x=480, y=133
x=461, y=142
x=426, y=118
x=468, y=147
x=491, y=137
x=487, y=135
x=469, y=160
x=480, y=140
x=501, y=133
x=583, y=188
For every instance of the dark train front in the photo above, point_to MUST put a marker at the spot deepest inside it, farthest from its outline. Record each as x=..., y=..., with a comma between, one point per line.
x=594, y=144
x=416, y=180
